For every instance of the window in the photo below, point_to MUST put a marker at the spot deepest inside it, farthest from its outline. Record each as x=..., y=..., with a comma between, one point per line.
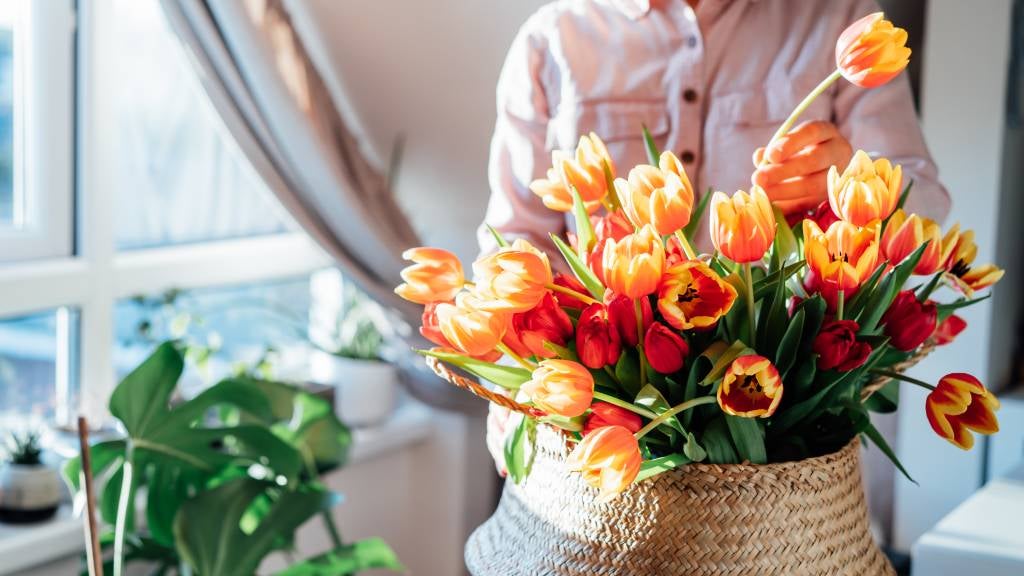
x=161, y=202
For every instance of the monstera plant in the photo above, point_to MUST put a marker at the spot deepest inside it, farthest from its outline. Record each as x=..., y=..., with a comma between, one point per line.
x=226, y=477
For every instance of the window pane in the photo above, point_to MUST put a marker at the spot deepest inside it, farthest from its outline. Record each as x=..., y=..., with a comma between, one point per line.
x=7, y=18
x=34, y=367
x=182, y=178
x=237, y=324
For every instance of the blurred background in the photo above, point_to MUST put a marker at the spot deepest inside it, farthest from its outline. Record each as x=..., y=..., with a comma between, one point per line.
x=131, y=211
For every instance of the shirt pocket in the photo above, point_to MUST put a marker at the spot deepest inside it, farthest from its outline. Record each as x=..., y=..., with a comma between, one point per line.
x=767, y=106
x=619, y=123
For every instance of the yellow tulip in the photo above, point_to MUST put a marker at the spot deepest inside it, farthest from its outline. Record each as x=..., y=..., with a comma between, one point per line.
x=743, y=226
x=872, y=51
x=609, y=459
x=513, y=279
x=560, y=387
x=661, y=196
x=633, y=266
x=583, y=171
x=866, y=191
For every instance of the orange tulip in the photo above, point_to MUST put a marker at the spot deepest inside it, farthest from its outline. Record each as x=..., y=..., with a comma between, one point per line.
x=866, y=191
x=904, y=234
x=436, y=276
x=839, y=259
x=513, y=279
x=692, y=295
x=961, y=252
x=961, y=404
x=872, y=51
x=751, y=387
x=469, y=329
x=661, y=196
x=742, y=227
x=609, y=459
x=583, y=170
x=633, y=266
x=560, y=387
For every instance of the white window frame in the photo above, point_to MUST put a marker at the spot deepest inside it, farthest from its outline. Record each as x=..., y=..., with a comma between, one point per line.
x=93, y=279
x=42, y=130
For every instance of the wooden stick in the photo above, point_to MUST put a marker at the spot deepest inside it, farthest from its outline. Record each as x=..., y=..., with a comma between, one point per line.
x=93, y=553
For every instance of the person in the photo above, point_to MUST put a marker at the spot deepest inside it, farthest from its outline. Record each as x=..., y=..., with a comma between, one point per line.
x=711, y=80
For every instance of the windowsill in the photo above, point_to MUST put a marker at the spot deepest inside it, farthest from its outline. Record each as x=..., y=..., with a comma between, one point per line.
x=25, y=546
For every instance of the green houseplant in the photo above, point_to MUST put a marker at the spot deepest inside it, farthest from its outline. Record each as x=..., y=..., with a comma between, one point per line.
x=227, y=477
x=29, y=489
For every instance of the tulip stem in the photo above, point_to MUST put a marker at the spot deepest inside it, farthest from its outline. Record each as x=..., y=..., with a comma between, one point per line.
x=624, y=405
x=570, y=292
x=519, y=359
x=639, y=313
x=840, y=304
x=686, y=245
x=748, y=281
x=664, y=416
x=903, y=378
x=803, y=105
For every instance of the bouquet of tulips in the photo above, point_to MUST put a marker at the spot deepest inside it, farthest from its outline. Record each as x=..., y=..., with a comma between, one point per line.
x=651, y=355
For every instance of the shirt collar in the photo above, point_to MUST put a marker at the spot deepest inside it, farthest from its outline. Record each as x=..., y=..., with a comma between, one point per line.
x=637, y=9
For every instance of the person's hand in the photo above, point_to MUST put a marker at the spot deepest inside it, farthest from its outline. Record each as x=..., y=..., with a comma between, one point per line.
x=795, y=174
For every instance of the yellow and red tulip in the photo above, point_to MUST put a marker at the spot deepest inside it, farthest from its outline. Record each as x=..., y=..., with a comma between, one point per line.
x=583, y=170
x=866, y=191
x=961, y=252
x=609, y=459
x=435, y=276
x=469, y=329
x=693, y=296
x=633, y=266
x=661, y=196
x=513, y=279
x=959, y=405
x=872, y=51
x=742, y=226
x=750, y=388
x=560, y=387
x=841, y=258
x=906, y=233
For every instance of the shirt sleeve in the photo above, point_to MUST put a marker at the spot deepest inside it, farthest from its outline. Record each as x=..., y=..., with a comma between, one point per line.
x=519, y=151
x=882, y=122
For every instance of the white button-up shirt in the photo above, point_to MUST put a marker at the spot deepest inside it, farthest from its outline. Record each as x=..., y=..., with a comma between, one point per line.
x=711, y=84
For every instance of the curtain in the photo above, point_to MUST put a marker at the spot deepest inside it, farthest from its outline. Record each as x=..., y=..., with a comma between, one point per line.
x=259, y=77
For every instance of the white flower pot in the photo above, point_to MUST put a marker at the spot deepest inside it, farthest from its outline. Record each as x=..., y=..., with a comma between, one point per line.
x=28, y=493
x=364, y=390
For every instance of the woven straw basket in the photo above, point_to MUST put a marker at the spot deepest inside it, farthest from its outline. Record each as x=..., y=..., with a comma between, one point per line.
x=793, y=518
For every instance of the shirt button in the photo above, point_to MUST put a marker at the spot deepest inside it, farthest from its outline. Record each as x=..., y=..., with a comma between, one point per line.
x=687, y=157
x=691, y=41
x=690, y=95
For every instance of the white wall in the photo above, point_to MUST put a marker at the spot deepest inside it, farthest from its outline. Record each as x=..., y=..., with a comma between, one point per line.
x=426, y=70
x=962, y=96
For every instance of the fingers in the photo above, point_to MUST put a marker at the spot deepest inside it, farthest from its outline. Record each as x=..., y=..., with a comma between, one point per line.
x=808, y=161
x=799, y=194
x=804, y=135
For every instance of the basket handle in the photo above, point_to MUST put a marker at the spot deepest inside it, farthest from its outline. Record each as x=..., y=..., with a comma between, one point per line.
x=876, y=384
x=478, y=389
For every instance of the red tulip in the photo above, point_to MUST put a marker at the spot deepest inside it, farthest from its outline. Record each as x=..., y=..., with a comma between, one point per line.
x=597, y=341
x=948, y=329
x=546, y=322
x=565, y=300
x=909, y=322
x=837, y=346
x=824, y=216
x=666, y=350
x=605, y=414
x=622, y=313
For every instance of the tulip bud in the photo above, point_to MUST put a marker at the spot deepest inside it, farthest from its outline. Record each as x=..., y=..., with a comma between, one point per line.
x=959, y=405
x=633, y=266
x=743, y=226
x=823, y=215
x=909, y=322
x=872, y=51
x=949, y=329
x=609, y=459
x=604, y=414
x=666, y=350
x=597, y=340
x=435, y=276
x=546, y=322
x=622, y=313
x=750, y=388
x=560, y=387
x=837, y=347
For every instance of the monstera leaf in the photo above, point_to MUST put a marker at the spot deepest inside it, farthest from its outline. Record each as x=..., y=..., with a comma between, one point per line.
x=362, y=555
